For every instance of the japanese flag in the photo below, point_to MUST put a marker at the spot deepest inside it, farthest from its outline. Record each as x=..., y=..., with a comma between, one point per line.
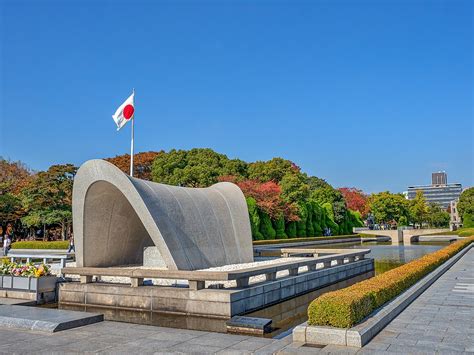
x=125, y=112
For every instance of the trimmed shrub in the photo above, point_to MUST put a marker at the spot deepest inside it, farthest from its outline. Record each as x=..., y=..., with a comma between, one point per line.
x=317, y=216
x=291, y=229
x=346, y=307
x=254, y=218
x=301, y=224
x=309, y=221
x=467, y=220
x=60, y=244
x=329, y=210
x=266, y=227
x=279, y=226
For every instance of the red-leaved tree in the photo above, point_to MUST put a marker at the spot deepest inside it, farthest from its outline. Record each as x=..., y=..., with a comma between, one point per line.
x=356, y=199
x=268, y=197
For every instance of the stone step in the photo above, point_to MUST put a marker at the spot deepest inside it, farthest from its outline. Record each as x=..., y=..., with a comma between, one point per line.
x=44, y=319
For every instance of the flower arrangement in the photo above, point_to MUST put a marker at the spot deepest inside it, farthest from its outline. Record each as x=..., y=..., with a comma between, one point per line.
x=28, y=270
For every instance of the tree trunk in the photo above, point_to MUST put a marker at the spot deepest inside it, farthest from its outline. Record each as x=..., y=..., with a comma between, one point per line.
x=44, y=233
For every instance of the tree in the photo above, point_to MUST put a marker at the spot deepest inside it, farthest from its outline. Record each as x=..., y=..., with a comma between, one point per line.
x=327, y=194
x=436, y=216
x=387, y=207
x=48, y=197
x=267, y=196
x=465, y=206
x=294, y=187
x=468, y=220
x=356, y=199
x=195, y=168
x=418, y=208
x=14, y=176
x=142, y=163
x=254, y=218
x=266, y=227
x=279, y=226
x=10, y=209
x=316, y=183
x=271, y=170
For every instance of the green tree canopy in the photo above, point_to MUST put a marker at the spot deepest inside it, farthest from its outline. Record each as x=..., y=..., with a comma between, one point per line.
x=271, y=170
x=418, y=208
x=387, y=207
x=466, y=202
x=294, y=187
x=436, y=216
x=10, y=209
x=199, y=167
x=48, y=197
x=327, y=194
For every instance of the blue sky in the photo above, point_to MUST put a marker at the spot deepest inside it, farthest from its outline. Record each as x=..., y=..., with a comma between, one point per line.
x=374, y=94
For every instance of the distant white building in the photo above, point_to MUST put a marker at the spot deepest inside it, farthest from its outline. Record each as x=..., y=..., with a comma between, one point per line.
x=439, y=192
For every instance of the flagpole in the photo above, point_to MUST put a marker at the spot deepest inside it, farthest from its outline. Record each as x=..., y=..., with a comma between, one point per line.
x=131, y=145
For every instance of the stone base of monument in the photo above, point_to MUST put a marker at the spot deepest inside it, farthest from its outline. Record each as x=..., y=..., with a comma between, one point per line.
x=142, y=304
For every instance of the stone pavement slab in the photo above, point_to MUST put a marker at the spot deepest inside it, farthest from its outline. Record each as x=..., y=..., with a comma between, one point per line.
x=44, y=319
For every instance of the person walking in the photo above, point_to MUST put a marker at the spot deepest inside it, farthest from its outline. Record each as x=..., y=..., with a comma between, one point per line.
x=72, y=247
x=7, y=244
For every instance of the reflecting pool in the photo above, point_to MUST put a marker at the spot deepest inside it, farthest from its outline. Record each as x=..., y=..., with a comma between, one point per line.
x=388, y=256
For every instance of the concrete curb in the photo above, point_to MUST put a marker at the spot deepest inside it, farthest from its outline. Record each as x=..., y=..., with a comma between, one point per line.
x=362, y=333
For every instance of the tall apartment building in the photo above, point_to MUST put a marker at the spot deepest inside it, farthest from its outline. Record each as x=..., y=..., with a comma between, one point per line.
x=439, y=191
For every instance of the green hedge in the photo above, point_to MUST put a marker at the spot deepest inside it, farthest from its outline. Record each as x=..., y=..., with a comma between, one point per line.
x=279, y=226
x=41, y=245
x=254, y=219
x=314, y=218
x=296, y=240
x=346, y=307
x=266, y=227
x=291, y=229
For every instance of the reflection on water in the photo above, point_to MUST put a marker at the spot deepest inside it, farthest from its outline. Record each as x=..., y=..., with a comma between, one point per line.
x=388, y=256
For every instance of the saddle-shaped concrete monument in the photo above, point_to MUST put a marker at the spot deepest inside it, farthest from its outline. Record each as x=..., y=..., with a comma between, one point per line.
x=116, y=216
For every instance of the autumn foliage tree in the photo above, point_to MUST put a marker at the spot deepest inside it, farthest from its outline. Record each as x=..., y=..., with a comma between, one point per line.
x=14, y=176
x=142, y=163
x=356, y=199
x=267, y=196
x=47, y=199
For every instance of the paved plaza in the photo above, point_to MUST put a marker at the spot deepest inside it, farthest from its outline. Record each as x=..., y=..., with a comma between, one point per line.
x=441, y=320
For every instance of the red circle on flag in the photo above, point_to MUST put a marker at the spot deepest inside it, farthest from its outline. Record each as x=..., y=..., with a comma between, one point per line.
x=128, y=112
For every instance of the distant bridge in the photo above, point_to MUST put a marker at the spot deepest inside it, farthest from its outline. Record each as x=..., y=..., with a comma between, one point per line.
x=405, y=236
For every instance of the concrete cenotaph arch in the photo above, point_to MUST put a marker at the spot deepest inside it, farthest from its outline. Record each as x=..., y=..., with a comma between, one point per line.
x=116, y=216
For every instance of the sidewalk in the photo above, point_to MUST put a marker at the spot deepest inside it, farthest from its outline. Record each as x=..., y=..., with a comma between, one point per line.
x=440, y=320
